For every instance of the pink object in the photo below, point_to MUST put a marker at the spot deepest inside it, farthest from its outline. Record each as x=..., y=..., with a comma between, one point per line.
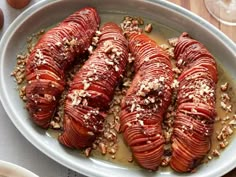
x=18, y=4
x=1, y=18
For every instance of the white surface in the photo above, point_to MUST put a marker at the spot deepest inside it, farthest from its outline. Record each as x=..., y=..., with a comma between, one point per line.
x=11, y=170
x=14, y=147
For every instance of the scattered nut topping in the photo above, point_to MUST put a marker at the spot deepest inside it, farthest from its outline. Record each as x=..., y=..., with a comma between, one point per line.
x=103, y=148
x=215, y=153
x=173, y=41
x=131, y=24
x=148, y=28
x=225, y=102
x=164, y=46
x=90, y=49
x=225, y=132
x=55, y=125
x=224, y=86
x=165, y=161
x=117, y=127
x=209, y=157
x=87, y=151
x=130, y=159
x=223, y=144
x=176, y=70
x=233, y=122
x=175, y=84
x=130, y=58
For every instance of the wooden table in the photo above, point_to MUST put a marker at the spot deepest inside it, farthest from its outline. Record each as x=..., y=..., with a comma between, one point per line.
x=199, y=8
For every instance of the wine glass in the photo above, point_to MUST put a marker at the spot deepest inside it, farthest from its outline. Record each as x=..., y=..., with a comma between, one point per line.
x=223, y=10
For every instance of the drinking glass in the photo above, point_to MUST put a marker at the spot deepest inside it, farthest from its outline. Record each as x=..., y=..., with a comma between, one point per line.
x=223, y=10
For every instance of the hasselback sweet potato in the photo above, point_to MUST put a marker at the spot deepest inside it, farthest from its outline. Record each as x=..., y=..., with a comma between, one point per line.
x=146, y=101
x=196, y=97
x=51, y=56
x=93, y=87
